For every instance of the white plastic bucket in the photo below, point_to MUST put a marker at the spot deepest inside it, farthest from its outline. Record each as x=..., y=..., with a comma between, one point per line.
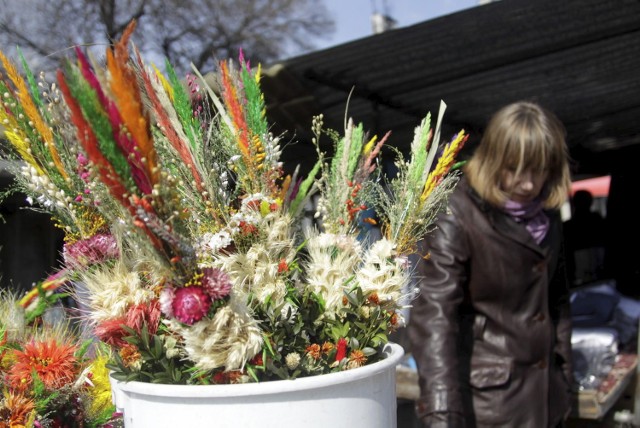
x=362, y=397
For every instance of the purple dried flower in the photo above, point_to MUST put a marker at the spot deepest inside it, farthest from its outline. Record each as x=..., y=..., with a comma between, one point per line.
x=98, y=248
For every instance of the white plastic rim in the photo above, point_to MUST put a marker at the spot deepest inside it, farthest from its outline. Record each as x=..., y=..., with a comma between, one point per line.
x=393, y=351
x=362, y=397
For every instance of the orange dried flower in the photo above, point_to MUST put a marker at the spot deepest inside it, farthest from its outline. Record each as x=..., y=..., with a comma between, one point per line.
x=373, y=298
x=130, y=355
x=394, y=319
x=234, y=376
x=53, y=362
x=356, y=359
x=227, y=377
x=16, y=409
x=254, y=204
x=313, y=351
x=327, y=347
x=247, y=228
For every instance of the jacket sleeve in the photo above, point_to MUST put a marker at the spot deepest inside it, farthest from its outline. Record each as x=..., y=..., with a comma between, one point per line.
x=433, y=323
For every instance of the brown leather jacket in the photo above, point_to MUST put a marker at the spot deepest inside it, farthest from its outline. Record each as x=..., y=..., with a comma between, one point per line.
x=490, y=330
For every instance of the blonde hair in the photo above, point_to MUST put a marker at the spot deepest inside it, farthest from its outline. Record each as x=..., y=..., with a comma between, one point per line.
x=522, y=136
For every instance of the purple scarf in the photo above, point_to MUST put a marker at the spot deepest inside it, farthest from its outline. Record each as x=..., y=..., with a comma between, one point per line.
x=531, y=215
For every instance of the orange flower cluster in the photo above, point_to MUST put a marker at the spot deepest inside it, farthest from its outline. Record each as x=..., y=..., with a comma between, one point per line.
x=352, y=208
x=52, y=362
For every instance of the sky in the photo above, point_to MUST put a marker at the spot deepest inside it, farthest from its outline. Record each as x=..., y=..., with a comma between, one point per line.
x=353, y=17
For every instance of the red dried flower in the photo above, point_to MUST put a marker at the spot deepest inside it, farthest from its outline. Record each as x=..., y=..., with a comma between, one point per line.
x=342, y=349
x=111, y=331
x=220, y=378
x=257, y=360
x=144, y=313
x=190, y=304
x=283, y=266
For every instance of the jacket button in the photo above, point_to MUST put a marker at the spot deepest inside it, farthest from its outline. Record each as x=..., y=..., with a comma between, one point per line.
x=539, y=267
x=539, y=317
x=542, y=364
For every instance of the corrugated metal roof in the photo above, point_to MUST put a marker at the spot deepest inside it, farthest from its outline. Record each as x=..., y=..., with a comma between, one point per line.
x=579, y=58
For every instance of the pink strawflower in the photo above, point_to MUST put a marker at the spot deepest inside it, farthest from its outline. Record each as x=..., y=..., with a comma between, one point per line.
x=167, y=295
x=190, y=304
x=216, y=283
x=98, y=248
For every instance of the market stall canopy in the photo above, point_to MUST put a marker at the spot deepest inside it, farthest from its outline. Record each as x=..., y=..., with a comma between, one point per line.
x=598, y=186
x=579, y=58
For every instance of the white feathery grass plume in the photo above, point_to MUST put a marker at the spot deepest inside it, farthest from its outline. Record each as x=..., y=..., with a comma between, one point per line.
x=332, y=262
x=12, y=319
x=111, y=290
x=382, y=272
x=228, y=340
x=256, y=271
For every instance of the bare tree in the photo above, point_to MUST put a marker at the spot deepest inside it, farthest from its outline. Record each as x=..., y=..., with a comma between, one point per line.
x=183, y=31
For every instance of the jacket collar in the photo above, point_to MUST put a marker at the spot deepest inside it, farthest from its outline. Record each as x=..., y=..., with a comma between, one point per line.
x=502, y=223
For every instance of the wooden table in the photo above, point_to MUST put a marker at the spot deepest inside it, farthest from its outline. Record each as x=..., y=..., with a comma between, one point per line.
x=595, y=403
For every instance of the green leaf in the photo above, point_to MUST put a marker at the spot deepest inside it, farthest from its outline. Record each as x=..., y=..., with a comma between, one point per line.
x=367, y=351
x=352, y=298
x=158, y=348
x=252, y=373
x=144, y=335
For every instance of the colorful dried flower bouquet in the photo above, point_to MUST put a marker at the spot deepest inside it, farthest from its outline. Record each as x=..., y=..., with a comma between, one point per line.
x=185, y=235
x=47, y=377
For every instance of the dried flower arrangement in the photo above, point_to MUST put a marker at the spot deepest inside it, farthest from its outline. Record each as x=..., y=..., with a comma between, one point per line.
x=187, y=235
x=46, y=376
